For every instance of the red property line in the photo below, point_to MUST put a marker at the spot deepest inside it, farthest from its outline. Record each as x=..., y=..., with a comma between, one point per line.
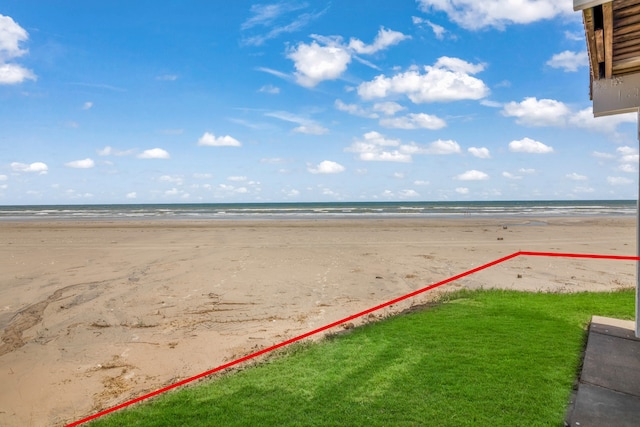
x=346, y=319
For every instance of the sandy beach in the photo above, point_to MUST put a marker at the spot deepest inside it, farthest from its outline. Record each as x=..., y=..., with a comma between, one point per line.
x=95, y=313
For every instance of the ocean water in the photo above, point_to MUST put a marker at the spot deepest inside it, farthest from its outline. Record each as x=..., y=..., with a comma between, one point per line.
x=339, y=210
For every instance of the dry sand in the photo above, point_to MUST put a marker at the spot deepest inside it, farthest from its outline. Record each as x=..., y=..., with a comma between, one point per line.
x=93, y=314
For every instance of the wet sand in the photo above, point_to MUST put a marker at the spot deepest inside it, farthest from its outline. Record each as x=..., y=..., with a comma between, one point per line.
x=95, y=313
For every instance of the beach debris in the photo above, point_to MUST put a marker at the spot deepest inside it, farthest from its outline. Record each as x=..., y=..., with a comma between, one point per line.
x=500, y=238
x=379, y=277
x=101, y=323
x=519, y=276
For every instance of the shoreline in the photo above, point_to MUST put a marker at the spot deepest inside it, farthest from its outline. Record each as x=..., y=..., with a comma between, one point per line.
x=182, y=222
x=100, y=312
x=319, y=210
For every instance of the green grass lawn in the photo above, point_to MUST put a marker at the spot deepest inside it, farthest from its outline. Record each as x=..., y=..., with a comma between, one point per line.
x=489, y=358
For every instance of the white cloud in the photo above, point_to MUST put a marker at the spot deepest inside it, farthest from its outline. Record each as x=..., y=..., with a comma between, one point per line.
x=449, y=79
x=607, y=124
x=388, y=108
x=628, y=158
x=509, y=175
x=443, y=147
x=75, y=195
x=383, y=40
x=311, y=129
x=202, y=175
x=167, y=77
x=414, y=121
x=439, y=147
x=174, y=179
x=327, y=58
x=421, y=182
x=276, y=18
x=81, y=164
x=154, y=153
x=549, y=112
x=491, y=104
x=576, y=177
x=579, y=190
x=475, y=15
x=458, y=65
x=618, y=180
x=626, y=150
x=210, y=140
x=462, y=190
x=315, y=63
x=574, y=36
x=472, y=175
x=237, y=178
x=270, y=89
x=479, y=152
x=232, y=189
x=326, y=167
x=569, y=61
x=87, y=105
x=3, y=177
x=276, y=73
x=354, y=109
x=13, y=74
x=37, y=167
x=266, y=14
x=534, y=112
x=628, y=168
x=11, y=35
x=375, y=147
x=306, y=126
x=273, y=160
x=132, y=195
x=527, y=171
x=109, y=151
x=106, y=151
x=528, y=145
x=438, y=30
x=408, y=193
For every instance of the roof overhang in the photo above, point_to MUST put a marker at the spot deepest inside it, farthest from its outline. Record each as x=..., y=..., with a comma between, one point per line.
x=617, y=95
x=584, y=4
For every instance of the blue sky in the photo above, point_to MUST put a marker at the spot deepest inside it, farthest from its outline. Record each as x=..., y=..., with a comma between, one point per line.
x=210, y=101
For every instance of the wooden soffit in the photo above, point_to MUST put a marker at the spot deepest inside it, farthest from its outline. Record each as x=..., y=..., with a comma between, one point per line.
x=612, y=30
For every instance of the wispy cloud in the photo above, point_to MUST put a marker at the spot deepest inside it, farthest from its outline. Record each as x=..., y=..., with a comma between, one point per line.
x=306, y=125
x=272, y=20
x=99, y=86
